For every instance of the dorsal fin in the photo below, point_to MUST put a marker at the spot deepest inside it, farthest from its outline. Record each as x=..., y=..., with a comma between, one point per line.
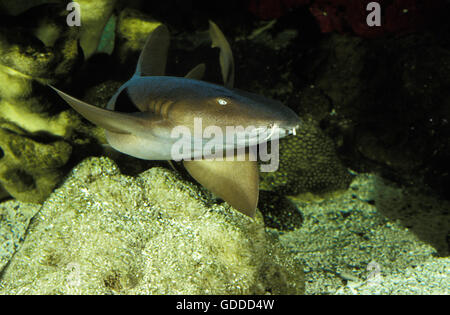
x=226, y=55
x=196, y=73
x=153, y=58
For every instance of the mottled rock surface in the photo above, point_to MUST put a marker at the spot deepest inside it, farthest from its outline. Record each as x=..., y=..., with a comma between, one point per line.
x=15, y=217
x=103, y=232
x=29, y=169
x=376, y=238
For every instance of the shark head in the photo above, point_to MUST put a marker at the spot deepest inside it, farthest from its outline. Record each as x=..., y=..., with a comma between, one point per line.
x=224, y=107
x=165, y=103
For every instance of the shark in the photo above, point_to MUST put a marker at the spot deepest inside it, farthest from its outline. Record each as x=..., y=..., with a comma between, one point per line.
x=163, y=103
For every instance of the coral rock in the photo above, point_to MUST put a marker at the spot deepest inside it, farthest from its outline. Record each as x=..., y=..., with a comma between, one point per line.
x=29, y=169
x=103, y=232
x=308, y=163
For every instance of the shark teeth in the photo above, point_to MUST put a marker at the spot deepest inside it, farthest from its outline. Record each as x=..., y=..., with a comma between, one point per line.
x=272, y=130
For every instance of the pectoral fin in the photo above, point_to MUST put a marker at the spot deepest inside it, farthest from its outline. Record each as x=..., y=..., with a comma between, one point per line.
x=236, y=182
x=122, y=123
x=226, y=55
x=153, y=58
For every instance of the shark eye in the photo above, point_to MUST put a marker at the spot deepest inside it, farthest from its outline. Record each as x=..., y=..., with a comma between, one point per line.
x=222, y=101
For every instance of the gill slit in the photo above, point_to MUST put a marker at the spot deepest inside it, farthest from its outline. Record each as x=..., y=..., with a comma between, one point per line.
x=165, y=108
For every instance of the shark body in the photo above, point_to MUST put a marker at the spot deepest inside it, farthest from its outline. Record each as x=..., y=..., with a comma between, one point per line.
x=163, y=103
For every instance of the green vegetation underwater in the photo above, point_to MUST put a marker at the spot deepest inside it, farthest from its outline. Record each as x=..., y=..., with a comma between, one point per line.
x=358, y=204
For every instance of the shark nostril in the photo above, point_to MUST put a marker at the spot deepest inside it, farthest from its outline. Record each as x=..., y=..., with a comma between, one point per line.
x=2, y=153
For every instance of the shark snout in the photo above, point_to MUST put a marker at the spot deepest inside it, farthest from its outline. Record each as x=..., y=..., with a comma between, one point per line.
x=292, y=129
x=289, y=125
x=278, y=130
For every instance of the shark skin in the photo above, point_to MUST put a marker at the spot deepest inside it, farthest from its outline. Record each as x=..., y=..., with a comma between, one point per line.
x=163, y=103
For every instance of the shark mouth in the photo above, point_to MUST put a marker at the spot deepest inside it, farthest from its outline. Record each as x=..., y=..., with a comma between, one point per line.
x=266, y=134
x=275, y=132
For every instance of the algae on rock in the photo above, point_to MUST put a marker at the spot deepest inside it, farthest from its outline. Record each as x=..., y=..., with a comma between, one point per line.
x=37, y=136
x=104, y=232
x=29, y=169
x=94, y=17
x=33, y=132
x=133, y=28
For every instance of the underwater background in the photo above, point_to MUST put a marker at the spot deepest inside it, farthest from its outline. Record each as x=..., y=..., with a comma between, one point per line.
x=359, y=205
